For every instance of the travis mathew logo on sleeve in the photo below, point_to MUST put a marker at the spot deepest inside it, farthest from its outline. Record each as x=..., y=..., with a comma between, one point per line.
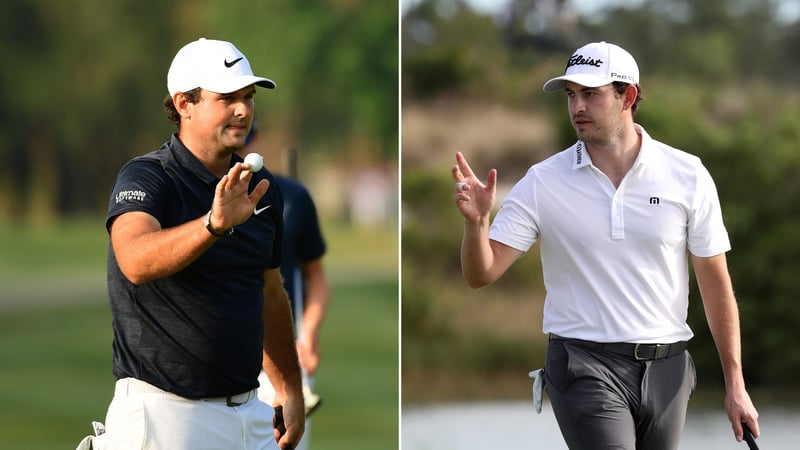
x=126, y=196
x=580, y=60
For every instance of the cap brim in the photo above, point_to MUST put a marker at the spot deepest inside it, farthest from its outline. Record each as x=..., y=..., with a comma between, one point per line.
x=233, y=84
x=558, y=83
x=266, y=83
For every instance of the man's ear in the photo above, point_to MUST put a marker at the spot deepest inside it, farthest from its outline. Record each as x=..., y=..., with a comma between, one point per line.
x=182, y=104
x=630, y=96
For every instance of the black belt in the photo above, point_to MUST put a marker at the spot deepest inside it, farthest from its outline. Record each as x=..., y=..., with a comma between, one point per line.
x=135, y=386
x=639, y=352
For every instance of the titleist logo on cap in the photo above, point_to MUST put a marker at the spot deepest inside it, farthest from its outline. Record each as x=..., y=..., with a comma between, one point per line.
x=597, y=64
x=580, y=60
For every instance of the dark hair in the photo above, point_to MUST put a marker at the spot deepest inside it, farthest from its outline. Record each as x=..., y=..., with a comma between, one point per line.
x=620, y=87
x=192, y=96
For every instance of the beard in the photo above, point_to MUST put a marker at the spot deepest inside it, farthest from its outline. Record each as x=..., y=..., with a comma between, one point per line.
x=591, y=136
x=598, y=136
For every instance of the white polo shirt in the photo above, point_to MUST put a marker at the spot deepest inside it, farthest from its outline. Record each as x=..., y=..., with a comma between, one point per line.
x=615, y=261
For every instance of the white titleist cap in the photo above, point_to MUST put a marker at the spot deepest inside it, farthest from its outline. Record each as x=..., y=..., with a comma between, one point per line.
x=216, y=66
x=597, y=64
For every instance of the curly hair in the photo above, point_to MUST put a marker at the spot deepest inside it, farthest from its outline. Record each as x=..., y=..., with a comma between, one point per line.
x=192, y=96
x=620, y=87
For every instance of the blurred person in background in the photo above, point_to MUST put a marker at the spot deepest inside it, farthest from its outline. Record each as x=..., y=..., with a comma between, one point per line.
x=198, y=308
x=619, y=215
x=303, y=278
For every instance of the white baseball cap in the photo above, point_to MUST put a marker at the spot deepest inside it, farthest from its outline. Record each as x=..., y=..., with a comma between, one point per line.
x=216, y=66
x=597, y=64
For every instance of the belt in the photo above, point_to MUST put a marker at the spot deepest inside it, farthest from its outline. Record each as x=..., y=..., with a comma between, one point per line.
x=135, y=386
x=639, y=352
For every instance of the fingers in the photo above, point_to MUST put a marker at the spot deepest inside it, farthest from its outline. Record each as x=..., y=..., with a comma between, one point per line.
x=457, y=174
x=461, y=191
x=289, y=424
x=279, y=426
x=465, y=177
x=491, y=180
x=739, y=429
x=738, y=433
x=237, y=181
x=232, y=203
x=235, y=177
x=750, y=421
x=259, y=191
x=753, y=425
x=240, y=173
x=463, y=167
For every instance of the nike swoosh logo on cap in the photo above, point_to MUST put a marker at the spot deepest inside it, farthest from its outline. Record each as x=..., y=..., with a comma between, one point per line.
x=230, y=64
x=259, y=211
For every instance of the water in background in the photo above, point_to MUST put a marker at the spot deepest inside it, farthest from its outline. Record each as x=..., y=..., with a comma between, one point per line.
x=476, y=426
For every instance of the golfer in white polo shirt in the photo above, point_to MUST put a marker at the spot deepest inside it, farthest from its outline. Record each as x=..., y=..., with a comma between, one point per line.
x=618, y=215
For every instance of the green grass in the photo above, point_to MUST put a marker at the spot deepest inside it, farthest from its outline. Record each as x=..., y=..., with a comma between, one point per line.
x=55, y=339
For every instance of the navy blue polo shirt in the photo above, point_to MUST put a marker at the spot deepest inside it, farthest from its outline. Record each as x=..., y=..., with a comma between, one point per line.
x=198, y=333
x=302, y=237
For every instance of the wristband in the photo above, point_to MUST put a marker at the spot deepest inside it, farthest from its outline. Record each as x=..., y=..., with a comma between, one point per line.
x=212, y=230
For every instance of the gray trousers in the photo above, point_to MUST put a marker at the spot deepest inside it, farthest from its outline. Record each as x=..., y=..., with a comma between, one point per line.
x=607, y=401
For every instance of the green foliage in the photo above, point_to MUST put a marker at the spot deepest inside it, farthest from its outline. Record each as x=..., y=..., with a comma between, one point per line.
x=431, y=225
x=432, y=283
x=336, y=66
x=432, y=228
x=84, y=82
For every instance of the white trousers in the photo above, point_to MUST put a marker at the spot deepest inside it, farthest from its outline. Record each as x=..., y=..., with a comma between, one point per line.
x=142, y=417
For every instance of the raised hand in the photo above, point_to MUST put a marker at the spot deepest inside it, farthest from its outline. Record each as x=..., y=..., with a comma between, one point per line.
x=473, y=198
x=232, y=203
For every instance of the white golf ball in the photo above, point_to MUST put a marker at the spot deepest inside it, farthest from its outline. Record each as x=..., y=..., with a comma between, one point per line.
x=255, y=160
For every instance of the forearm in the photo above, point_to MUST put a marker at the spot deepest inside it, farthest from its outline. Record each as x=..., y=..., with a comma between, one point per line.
x=280, y=360
x=722, y=315
x=483, y=261
x=317, y=297
x=146, y=252
x=313, y=317
x=723, y=320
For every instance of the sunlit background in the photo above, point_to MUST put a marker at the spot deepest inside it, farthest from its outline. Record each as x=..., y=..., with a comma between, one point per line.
x=82, y=83
x=720, y=81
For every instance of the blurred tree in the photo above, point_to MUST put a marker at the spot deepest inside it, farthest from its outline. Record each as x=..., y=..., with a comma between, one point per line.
x=336, y=66
x=84, y=97
x=719, y=78
x=448, y=49
x=84, y=80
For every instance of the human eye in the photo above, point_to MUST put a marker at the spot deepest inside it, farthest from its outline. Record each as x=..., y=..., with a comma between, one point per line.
x=590, y=94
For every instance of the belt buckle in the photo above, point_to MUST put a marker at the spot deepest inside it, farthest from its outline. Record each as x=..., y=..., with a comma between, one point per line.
x=244, y=396
x=656, y=354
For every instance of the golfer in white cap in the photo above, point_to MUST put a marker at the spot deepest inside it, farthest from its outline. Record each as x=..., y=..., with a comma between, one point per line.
x=618, y=215
x=193, y=277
